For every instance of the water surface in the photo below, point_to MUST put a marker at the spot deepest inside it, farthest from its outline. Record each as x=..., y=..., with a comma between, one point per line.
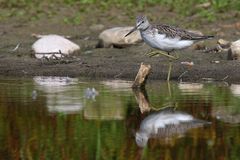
x=66, y=118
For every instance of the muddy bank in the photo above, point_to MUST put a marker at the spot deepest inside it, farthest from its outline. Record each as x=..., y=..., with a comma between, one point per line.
x=108, y=62
x=123, y=63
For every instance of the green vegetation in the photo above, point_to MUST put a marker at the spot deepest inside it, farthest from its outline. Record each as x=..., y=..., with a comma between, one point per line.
x=33, y=10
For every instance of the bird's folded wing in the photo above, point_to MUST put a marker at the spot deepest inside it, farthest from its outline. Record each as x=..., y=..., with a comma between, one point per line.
x=173, y=32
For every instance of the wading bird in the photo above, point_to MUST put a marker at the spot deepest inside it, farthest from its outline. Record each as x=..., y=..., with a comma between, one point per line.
x=165, y=38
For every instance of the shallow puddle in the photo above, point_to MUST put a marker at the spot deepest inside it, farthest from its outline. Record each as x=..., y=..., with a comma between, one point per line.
x=71, y=118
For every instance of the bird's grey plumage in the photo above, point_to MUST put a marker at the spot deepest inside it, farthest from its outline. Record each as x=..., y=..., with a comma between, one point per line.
x=172, y=31
x=165, y=124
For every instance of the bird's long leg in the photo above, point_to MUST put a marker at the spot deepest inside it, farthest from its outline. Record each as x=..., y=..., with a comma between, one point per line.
x=169, y=69
x=170, y=58
x=155, y=53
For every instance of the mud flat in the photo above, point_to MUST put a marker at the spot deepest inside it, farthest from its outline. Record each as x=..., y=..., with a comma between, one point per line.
x=112, y=63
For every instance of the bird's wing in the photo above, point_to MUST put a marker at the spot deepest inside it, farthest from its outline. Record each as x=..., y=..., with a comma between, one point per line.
x=172, y=31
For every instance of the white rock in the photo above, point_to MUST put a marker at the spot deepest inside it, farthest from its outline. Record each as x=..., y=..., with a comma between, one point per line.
x=116, y=37
x=234, y=52
x=53, y=44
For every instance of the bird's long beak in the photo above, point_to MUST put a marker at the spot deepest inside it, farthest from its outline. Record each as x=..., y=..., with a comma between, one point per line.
x=132, y=30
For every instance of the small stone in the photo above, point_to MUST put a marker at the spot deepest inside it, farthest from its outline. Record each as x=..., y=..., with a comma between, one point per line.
x=86, y=38
x=217, y=62
x=88, y=52
x=116, y=37
x=224, y=43
x=187, y=63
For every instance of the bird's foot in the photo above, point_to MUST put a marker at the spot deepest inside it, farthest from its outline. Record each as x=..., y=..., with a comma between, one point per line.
x=157, y=53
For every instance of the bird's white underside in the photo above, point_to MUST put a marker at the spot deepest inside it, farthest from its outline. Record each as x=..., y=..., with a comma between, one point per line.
x=162, y=42
x=155, y=122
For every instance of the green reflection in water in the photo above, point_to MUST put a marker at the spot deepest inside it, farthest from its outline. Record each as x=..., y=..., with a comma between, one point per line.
x=62, y=123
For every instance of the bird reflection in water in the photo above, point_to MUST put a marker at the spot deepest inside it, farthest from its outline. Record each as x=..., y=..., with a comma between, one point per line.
x=164, y=123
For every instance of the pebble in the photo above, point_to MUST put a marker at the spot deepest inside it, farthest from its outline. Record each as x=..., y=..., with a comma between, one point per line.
x=224, y=43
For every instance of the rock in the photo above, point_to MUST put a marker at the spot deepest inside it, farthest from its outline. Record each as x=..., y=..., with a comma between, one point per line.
x=116, y=37
x=88, y=52
x=189, y=64
x=216, y=62
x=97, y=27
x=234, y=51
x=53, y=46
x=224, y=43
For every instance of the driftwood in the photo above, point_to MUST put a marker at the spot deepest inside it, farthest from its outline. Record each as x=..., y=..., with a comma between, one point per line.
x=142, y=99
x=142, y=75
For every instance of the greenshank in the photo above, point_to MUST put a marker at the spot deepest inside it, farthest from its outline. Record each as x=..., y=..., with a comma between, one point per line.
x=165, y=124
x=166, y=38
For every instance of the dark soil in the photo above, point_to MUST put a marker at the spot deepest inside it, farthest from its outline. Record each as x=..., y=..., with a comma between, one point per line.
x=111, y=62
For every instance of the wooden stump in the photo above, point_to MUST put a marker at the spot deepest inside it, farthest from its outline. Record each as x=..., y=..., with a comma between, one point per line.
x=142, y=75
x=142, y=99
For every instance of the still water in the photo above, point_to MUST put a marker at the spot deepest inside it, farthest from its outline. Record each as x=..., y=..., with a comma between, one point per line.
x=68, y=118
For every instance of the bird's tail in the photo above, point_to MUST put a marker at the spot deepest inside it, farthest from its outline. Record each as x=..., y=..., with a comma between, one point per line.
x=209, y=37
x=203, y=37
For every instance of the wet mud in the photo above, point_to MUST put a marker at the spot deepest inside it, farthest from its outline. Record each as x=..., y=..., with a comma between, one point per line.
x=111, y=63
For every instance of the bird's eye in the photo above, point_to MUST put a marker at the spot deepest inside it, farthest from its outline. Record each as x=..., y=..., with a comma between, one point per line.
x=142, y=21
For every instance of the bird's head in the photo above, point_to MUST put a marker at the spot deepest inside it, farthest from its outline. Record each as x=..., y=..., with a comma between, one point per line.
x=141, y=24
x=141, y=139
